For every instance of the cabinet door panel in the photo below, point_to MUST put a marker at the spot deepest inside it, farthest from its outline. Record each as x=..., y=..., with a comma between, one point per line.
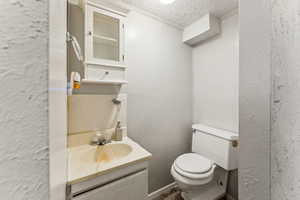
x=133, y=187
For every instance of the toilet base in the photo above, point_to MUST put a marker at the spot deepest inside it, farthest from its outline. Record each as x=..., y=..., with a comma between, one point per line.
x=211, y=194
x=214, y=190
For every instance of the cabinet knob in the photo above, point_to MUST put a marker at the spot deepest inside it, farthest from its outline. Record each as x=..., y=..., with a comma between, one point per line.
x=90, y=33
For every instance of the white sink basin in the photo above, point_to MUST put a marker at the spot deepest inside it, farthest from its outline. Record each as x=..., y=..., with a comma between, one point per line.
x=86, y=161
x=107, y=153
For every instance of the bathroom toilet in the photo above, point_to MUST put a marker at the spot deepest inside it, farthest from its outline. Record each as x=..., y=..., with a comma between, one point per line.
x=203, y=174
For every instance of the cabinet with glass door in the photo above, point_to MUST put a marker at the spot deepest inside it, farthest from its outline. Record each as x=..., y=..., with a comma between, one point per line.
x=104, y=45
x=104, y=41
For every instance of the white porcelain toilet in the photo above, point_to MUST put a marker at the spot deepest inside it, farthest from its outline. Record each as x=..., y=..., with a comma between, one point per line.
x=203, y=174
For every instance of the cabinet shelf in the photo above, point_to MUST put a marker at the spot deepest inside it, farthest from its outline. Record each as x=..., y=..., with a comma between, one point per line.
x=104, y=82
x=106, y=65
x=99, y=39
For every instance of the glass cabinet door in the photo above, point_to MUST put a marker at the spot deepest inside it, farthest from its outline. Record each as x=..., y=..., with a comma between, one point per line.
x=105, y=37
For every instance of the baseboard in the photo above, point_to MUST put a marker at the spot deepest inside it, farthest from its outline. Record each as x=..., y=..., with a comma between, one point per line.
x=229, y=197
x=161, y=191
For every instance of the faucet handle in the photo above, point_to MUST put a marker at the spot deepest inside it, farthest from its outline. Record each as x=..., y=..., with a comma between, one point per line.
x=100, y=139
x=97, y=138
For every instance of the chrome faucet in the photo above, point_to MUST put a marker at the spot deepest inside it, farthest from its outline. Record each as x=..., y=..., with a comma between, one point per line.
x=99, y=140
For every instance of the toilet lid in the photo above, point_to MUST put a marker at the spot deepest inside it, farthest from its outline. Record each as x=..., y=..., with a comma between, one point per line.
x=193, y=163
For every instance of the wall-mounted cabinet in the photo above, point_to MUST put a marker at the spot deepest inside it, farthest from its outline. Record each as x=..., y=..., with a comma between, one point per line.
x=104, y=37
x=103, y=42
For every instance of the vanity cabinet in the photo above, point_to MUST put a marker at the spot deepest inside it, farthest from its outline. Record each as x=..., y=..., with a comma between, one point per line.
x=131, y=187
x=125, y=183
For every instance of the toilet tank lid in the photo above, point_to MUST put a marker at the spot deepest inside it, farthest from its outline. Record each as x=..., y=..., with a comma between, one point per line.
x=221, y=133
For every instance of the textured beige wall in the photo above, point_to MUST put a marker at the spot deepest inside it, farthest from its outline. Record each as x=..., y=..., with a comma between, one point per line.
x=285, y=143
x=95, y=112
x=24, y=165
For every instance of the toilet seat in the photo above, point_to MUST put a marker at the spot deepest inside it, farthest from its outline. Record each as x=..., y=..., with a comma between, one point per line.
x=193, y=163
x=193, y=176
x=194, y=181
x=193, y=169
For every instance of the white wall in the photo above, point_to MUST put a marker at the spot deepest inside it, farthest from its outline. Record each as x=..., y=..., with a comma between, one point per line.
x=57, y=99
x=255, y=90
x=215, y=78
x=285, y=143
x=159, y=93
x=24, y=163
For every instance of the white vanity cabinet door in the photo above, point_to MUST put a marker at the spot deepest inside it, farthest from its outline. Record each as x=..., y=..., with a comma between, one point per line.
x=133, y=187
x=104, y=41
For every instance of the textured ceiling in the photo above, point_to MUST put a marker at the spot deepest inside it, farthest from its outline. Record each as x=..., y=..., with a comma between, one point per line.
x=184, y=12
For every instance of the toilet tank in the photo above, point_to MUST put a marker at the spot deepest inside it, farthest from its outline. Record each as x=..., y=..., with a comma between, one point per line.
x=220, y=146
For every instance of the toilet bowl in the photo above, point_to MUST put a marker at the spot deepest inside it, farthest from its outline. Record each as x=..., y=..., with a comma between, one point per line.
x=203, y=174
